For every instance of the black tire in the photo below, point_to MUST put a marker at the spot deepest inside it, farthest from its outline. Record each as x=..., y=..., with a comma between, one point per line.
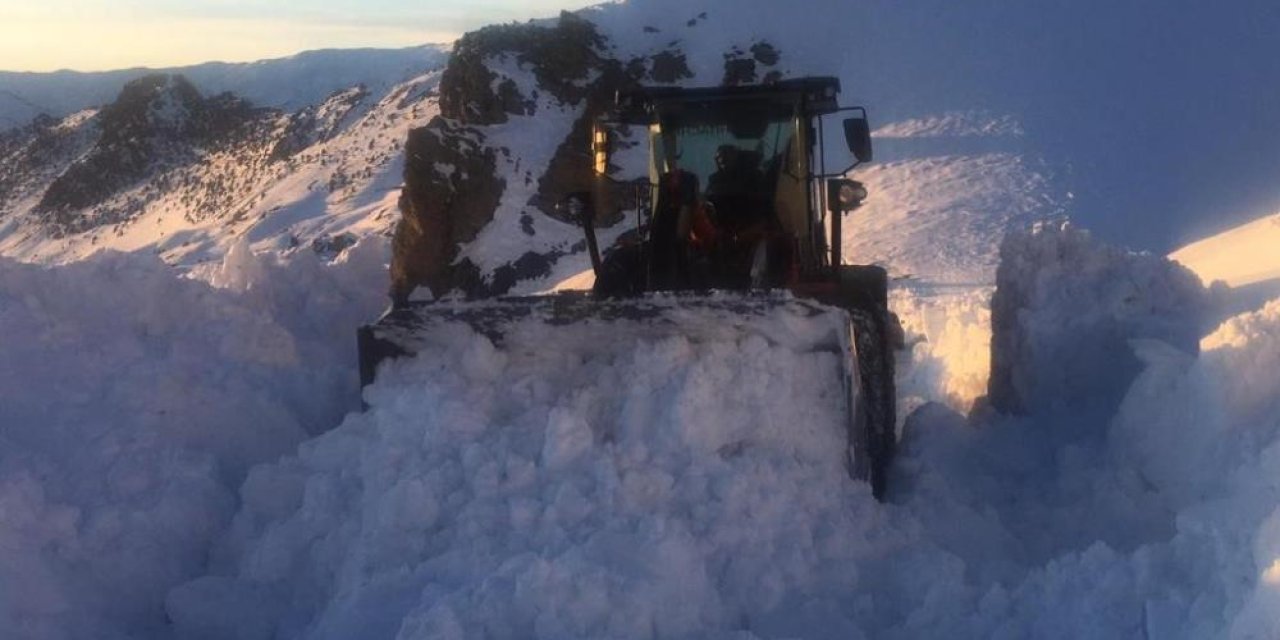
x=878, y=402
x=865, y=293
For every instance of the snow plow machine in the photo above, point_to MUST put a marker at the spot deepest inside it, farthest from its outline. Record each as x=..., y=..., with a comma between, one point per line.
x=737, y=223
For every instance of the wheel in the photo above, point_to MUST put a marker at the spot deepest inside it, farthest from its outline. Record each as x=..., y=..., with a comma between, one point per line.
x=877, y=398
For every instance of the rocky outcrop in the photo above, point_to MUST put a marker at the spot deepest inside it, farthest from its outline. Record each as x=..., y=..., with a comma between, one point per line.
x=167, y=163
x=32, y=156
x=451, y=191
x=742, y=67
x=158, y=121
x=559, y=57
x=318, y=123
x=670, y=67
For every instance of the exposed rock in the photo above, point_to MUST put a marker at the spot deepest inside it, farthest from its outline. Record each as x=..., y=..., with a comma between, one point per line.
x=738, y=71
x=468, y=279
x=670, y=66
x=317, y=123
x=440, y=211
x=451, y=191
x=329, y=246
x=765, y=54
x=32, y=156
x=560, y=57
x=162, y=158
x=741, y=67
x=570, y=168
x=158, y=120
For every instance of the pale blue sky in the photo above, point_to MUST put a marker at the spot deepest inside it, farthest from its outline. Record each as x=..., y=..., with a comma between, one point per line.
x=91, y=35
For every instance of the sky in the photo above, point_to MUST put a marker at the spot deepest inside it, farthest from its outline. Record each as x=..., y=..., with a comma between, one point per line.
x=97, y=35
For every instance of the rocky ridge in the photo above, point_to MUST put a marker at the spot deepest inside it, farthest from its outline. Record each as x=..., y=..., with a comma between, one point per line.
x=165, y=166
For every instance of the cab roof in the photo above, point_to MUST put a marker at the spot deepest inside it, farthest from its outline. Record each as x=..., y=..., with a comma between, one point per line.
x=816, y=96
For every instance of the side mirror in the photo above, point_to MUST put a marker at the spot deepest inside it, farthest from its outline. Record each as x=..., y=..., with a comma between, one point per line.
x=857, y=133
x=601, y=148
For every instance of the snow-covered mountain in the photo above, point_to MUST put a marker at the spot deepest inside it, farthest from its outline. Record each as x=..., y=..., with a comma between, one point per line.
x=286, y=83
x=172, y=169
x=183, y=454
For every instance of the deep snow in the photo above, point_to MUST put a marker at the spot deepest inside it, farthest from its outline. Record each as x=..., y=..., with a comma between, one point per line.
x=133, y=402
x=161, y=476
x=675, y=487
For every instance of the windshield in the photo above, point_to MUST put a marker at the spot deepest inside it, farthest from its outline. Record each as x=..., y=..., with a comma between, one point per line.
x=704, y=138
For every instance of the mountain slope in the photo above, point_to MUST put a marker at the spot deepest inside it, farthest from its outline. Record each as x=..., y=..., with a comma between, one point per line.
x=285, y=83
x=168, y=169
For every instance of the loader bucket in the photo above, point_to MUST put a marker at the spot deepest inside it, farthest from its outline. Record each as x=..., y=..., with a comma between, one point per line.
x=577, y=322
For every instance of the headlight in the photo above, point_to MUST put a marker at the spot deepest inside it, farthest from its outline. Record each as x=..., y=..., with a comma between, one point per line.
x=852, y=194
x=575, y=207
x=845, y=195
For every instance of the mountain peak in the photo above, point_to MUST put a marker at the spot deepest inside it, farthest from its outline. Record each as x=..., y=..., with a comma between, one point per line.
x=157, y=120
x=159, y=103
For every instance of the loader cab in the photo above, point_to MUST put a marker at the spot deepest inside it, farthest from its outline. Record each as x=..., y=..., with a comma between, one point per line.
x=744, y=164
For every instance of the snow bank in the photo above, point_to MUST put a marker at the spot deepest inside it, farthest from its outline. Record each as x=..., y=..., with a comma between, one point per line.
x=1066, y=304
x=1203, y=434
x=1188, y=421
x=132, y=403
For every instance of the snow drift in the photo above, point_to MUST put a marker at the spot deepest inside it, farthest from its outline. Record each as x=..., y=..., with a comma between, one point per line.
x=132, y=403
x=1065, y=310
x=681, y=489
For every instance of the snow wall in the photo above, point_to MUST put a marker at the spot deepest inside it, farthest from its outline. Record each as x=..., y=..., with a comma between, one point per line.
x=1065, y=310
x=133, y=402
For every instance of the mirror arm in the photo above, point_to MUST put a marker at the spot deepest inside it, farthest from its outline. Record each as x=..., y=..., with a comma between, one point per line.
x=840, y=174
x=593, y=247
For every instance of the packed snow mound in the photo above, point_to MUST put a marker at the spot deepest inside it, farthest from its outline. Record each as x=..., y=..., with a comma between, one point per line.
x=569, y=484
x=1204, y=433
x=1066, y=304
x=1224, y=407
x=132, y=403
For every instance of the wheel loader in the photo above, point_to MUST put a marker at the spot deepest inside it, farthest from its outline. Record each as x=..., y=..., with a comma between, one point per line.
x=737, y=218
